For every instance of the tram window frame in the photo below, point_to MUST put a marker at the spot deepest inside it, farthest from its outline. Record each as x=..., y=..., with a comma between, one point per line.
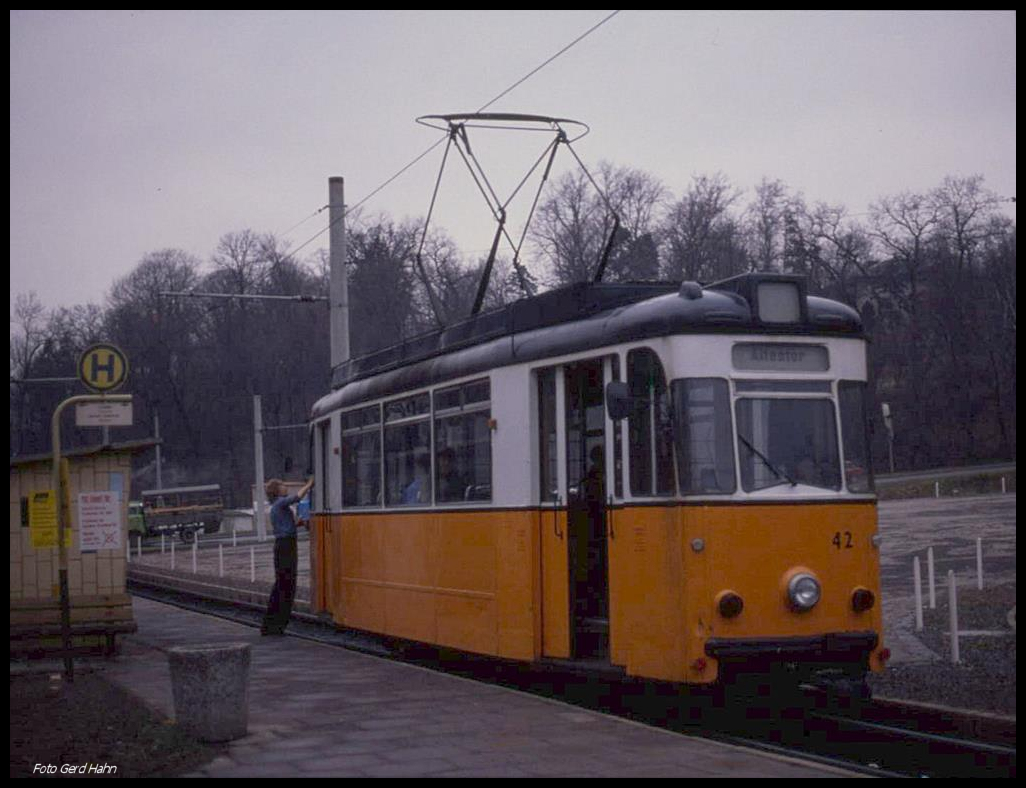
x=617, y=430
x=324, y=487
x=763, y=459
x=855, y=442
x=406, y=431
x=463, y=412
x=360, y=425
x=645, y=480
x=723, y=466
x=548, y=436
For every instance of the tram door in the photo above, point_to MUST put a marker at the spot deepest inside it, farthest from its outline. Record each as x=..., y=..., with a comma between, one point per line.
x=572, y=459
x=588, y=556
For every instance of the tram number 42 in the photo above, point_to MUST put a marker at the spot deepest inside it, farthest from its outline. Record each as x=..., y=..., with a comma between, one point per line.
x=842, y=541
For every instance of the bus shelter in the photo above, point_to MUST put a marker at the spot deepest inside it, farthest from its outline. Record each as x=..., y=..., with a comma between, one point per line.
x=97, y=492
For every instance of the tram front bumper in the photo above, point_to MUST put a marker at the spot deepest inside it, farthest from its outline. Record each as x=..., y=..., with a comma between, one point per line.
x=831, y=647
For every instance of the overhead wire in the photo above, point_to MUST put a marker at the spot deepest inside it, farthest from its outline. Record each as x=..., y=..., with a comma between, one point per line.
x=416, y=160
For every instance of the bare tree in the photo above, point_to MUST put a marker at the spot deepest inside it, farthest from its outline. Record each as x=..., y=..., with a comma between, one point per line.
x=569, y=229
x=845, y=252
x=964, y=209
x=765, y=224
x=903, y=225
x=573, y=224
x=383, y=290
x=699, y=235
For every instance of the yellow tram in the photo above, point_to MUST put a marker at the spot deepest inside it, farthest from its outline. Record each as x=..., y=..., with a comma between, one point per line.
x=669, y=479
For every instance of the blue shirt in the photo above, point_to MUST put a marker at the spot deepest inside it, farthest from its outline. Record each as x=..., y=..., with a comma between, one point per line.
x=281, y=516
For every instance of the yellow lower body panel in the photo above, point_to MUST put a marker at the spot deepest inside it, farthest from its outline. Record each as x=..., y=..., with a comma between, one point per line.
x=467, y=580
x=497, y=582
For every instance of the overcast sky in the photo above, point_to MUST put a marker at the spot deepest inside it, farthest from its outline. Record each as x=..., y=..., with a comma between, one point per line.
x=137, y=131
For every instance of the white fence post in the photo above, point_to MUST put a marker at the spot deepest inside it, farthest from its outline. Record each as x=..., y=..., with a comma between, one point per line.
x=930, y=579
x=936, y=489
x=979, y=563
x=139, y=544
x=953, y=609
x=917, y=578
x=162, y=544
x=252, y=564
x=195, y=544
x=220, y=560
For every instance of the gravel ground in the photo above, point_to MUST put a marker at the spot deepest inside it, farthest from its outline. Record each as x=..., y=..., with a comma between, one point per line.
x=91, y=722
x=985, y=678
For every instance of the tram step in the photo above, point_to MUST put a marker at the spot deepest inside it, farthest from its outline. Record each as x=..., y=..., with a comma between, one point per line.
x=593, y=625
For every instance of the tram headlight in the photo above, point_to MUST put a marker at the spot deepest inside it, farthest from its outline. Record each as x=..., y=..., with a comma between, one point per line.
x=803, y=592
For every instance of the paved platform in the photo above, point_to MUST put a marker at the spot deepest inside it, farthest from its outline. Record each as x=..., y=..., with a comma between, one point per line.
x=319, y=711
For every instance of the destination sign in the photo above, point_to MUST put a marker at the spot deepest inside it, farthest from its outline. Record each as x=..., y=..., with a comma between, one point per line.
x=780, y=357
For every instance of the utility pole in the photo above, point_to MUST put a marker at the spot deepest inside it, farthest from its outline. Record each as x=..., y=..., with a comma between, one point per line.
x=156, y=435
x=258, y=433
x=339, y=286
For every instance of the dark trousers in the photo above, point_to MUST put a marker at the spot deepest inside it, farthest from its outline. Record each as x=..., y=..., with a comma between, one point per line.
x=286, y=565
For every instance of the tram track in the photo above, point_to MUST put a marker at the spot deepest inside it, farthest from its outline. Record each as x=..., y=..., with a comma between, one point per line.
x=888, y=738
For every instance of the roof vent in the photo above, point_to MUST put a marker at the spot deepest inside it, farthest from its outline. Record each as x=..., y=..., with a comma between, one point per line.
x=691, y=291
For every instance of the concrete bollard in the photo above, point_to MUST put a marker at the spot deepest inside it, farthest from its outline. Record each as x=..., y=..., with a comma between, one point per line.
x=210, y=684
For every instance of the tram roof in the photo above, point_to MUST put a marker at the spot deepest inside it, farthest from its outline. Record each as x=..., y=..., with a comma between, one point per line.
x=574, y=318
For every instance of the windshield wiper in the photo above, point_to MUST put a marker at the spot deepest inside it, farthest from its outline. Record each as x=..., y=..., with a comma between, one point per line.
x=780, y=474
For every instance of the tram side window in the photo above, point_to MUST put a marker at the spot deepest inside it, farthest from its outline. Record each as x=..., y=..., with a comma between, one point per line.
x=705, y=442
x=324, y=436
x=463, y=443
x=408, y=451
x=857, y=472
x=649, y=426
x=547, y=436
x=361, y=457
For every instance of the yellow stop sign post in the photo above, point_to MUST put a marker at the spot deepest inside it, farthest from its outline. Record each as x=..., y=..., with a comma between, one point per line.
x=103, y=368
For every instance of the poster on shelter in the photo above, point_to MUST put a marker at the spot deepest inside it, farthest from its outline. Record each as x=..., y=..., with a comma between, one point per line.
x=43, y=519
x=99, y=520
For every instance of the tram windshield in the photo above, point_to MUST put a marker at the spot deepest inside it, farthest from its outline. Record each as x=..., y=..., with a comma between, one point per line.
x=779, y=440
x=787, y=441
